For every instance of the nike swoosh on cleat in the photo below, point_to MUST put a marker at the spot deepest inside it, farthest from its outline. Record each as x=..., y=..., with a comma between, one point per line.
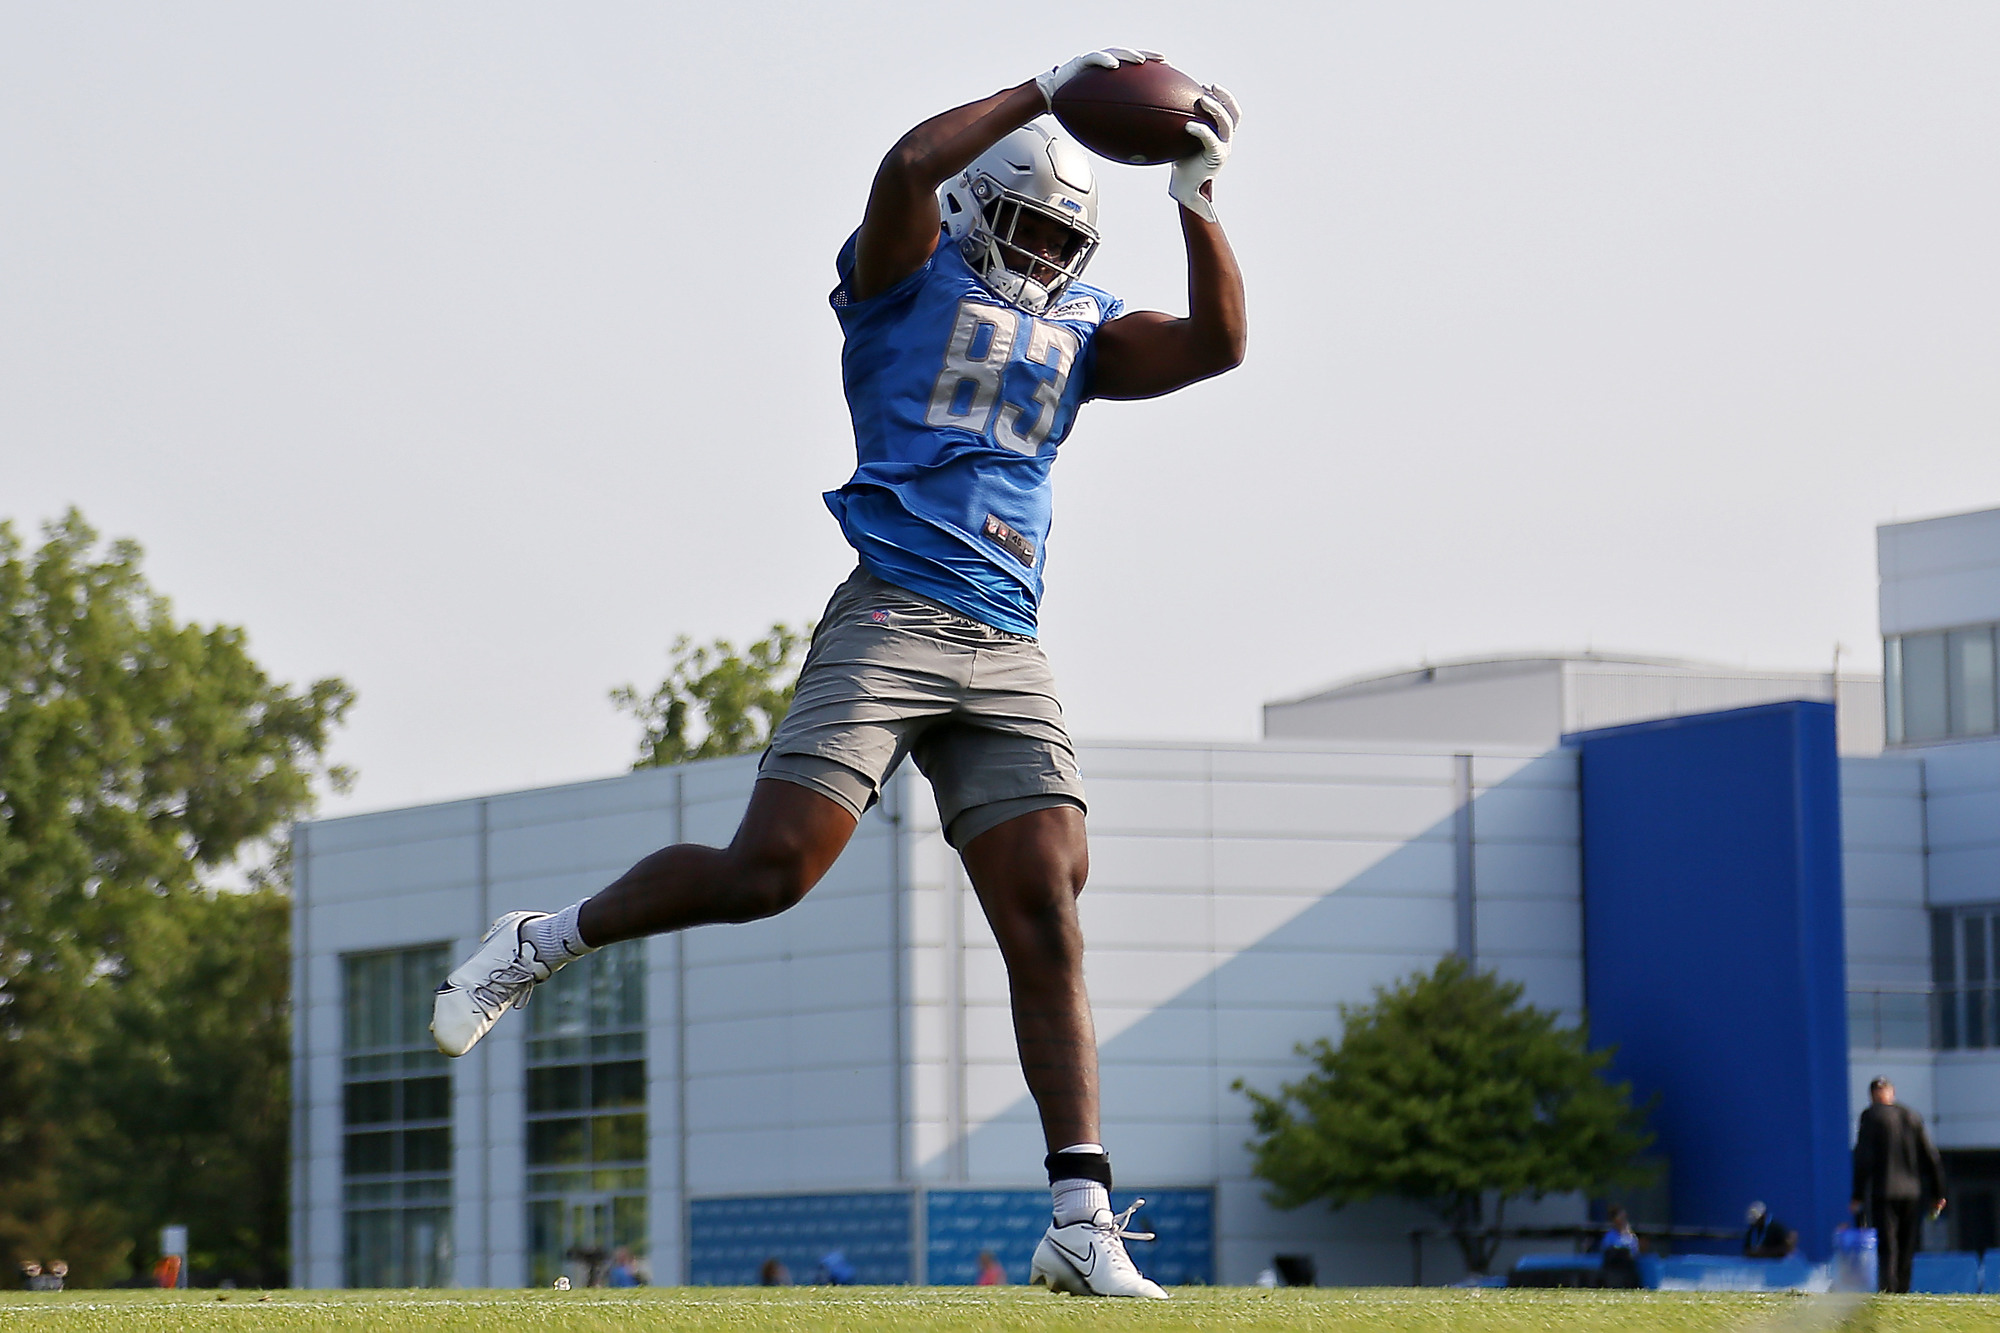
x=1088, y=1259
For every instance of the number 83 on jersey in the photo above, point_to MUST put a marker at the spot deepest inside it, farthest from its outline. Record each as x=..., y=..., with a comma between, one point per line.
x=968, y=389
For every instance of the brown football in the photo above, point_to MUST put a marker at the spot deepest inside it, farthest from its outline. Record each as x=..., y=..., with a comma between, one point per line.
x=1135, y=113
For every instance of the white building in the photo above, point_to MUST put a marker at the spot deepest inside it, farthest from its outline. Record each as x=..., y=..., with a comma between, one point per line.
x=860, y=1044
x=843, y=1076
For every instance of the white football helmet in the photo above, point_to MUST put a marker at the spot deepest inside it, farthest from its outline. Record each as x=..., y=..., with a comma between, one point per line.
x=1032, y=172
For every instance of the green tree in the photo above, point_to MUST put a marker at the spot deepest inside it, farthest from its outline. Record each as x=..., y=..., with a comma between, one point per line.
x=715, y=701
x=180, y=1099
x=1447, y=1090
x=142, y=1013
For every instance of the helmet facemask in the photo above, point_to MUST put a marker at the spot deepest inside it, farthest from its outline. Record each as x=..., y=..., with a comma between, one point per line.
x=1024, y=215
x=997, y=248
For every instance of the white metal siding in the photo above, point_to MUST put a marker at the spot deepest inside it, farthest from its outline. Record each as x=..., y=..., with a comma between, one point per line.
x=1940, y=572
x=1964, y=822
x=1882, y=836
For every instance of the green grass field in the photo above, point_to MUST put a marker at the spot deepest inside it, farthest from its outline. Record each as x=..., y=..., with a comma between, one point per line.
x=896, y=1309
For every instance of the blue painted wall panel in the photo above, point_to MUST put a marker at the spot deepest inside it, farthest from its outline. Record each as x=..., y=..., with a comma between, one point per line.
x=1714, y=953
x=729, y=1239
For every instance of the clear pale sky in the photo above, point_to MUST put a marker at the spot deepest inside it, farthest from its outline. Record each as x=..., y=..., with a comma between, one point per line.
x=473, y=351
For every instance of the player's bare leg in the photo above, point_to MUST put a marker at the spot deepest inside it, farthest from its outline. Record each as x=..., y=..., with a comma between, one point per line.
x=788, y=837
x=1028, y=873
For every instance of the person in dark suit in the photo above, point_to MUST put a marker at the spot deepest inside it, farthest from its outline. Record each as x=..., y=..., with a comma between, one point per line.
x=1897, y=1171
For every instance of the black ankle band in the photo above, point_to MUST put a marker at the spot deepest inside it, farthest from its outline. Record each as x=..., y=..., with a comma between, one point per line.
x=1079, y=1166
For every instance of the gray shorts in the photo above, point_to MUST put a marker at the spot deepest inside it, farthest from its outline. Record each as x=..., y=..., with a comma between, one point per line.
x=890, y=673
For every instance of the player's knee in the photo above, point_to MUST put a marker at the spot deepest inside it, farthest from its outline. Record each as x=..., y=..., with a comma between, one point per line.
x=769, y=884
x=1036, y=918
x=1046, y=941
x=1059, y=881
x=1066, y=872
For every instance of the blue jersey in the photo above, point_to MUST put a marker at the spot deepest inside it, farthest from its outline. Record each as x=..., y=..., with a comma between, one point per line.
x=959, y=401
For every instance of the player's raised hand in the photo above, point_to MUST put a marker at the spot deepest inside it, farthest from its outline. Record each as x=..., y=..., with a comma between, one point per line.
x=1111, y=57
x=1193, y=179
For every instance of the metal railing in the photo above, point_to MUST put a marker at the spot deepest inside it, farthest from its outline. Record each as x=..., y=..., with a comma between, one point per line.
x=1894, y=1018
x=1924, y=1018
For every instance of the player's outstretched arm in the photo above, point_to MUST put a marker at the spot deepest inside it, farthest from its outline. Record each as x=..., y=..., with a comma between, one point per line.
x=1147, y=353
x=900, y=228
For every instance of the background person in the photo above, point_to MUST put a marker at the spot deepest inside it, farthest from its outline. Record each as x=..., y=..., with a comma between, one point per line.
x=834, y=1270
x=1765, y=1237
x=1619, y=1234
x=1897, y=1171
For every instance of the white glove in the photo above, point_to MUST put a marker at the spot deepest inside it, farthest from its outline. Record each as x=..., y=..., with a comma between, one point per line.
x=1111, y=57
x=1193, y=181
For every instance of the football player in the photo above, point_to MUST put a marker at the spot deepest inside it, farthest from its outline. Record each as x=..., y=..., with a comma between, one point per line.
x=971, y=340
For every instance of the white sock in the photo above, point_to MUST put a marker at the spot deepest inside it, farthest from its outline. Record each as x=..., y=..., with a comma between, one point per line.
x=555, y=937
x=1079, y=1200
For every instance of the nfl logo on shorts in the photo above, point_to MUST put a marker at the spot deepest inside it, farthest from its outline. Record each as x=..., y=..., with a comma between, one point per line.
x=879, y=616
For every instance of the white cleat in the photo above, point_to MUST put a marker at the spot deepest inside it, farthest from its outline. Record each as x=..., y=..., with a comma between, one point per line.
x=499, y=976
x=1089, y=1259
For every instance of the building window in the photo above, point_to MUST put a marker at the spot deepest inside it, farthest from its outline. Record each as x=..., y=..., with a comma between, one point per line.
x=1965, y=948
x=586, y=1116
x=1941, y=685
x=396, y=1150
